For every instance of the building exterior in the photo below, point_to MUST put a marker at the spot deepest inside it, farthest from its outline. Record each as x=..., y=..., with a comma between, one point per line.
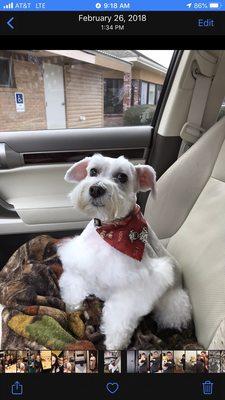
x=74, y=89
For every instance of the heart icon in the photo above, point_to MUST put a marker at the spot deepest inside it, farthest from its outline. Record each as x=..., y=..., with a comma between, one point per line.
x=112, y=387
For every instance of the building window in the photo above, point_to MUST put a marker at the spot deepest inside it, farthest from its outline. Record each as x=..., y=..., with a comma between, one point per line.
x=144, y=92
x=150, y=93
x=6, y=72
x=113, y=96
x=158, y=92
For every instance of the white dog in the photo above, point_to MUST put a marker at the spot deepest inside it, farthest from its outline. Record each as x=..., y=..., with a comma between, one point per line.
x=110, y=259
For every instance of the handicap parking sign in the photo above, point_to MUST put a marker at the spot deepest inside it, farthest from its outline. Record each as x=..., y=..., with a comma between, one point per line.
x=19, y=100
x=207, y=387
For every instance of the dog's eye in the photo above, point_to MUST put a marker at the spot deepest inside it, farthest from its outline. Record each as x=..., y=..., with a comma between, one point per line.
x=122, y=178
x=93, y=172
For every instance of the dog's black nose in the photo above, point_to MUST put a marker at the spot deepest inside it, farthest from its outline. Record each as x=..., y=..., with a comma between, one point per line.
x=96, y=191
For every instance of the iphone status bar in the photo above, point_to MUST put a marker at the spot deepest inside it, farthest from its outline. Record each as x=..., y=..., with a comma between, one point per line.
x=90, y=5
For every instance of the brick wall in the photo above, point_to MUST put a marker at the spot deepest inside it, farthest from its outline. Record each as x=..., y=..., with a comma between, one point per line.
x=84, y=93
x=127, y=91
x=29, y=81
x=136, y=88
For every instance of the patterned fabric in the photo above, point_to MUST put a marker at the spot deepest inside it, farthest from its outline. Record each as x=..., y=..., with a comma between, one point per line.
x=35, y=318
x=128, y=235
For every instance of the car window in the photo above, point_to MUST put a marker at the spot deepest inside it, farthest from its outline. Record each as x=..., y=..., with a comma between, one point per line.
x=64, y=89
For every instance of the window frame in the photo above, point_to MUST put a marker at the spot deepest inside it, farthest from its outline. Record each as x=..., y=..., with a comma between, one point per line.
x=156, y=85
x=11, y=80
x=142, y=104
x=113, y=79
x=155, y=90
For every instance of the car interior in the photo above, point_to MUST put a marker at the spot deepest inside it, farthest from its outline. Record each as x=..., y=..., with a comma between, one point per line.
x=185, y=145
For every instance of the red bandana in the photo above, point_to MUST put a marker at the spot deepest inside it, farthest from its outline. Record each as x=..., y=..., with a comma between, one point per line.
x=128, y=235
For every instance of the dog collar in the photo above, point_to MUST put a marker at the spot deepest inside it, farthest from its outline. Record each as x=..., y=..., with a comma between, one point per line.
x=128, y=235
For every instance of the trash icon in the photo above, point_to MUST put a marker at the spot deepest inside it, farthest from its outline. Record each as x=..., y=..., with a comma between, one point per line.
x=207, y=387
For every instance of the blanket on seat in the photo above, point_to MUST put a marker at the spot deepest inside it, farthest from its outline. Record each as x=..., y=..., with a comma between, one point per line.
x=34, y=316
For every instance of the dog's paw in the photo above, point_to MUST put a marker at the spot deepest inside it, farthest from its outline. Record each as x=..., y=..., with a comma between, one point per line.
x=73, y=291
x=116, y=343
x=115, y=337
x=173, y=310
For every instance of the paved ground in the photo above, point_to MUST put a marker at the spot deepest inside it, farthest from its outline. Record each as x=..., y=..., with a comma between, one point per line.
x=113, y=120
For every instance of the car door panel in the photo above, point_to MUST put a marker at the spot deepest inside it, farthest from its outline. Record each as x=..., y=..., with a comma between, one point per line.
x=33, y=165
x=130, y=137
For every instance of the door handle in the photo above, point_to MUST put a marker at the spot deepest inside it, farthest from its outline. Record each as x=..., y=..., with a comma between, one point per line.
x=9, y=158
x=7, y=206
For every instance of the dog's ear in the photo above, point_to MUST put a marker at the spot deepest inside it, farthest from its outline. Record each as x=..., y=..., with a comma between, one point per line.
x=146, y=178
x=78, y=171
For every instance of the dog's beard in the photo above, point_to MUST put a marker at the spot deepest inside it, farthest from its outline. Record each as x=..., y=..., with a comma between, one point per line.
x=114, y=204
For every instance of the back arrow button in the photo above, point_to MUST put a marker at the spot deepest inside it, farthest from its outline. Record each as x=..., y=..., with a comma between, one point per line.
x=9, y=23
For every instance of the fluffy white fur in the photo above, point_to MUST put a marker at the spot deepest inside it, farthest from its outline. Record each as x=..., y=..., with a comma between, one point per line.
x=173, y=310
x=129, y=288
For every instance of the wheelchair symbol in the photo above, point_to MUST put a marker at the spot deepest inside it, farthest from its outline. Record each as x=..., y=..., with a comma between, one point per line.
x=19, y=98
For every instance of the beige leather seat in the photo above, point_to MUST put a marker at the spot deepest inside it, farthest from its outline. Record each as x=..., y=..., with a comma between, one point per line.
x=189, y=215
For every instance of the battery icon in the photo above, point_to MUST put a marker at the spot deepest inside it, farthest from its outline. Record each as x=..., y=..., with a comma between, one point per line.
x=214, y=5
